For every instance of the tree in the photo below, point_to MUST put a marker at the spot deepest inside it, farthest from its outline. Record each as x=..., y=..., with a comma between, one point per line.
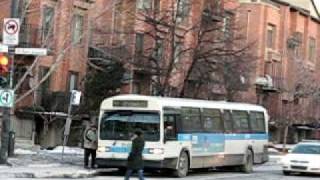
x=102, y=80
x=171, y=46
x=302, y=91
x=58, y=58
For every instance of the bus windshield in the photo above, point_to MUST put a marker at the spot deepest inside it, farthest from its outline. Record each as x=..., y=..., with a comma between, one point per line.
x=120, y=125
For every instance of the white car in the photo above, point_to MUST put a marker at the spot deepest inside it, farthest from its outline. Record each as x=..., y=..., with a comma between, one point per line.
x=303, y=158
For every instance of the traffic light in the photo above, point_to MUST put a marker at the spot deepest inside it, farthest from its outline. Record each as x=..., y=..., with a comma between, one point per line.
x=4, y=64
x=4, y=70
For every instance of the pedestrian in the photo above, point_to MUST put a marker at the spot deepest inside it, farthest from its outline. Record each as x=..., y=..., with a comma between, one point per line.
x=90, y=145
x=135, y=159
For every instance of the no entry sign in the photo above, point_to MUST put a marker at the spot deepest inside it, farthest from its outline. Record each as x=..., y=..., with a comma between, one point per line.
x=11, y=28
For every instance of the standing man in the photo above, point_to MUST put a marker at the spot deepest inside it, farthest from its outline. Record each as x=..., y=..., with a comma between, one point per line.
x=90, y=145
x=135, y=160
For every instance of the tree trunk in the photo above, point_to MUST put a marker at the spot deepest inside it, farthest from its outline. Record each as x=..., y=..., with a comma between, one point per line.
x=285, y=135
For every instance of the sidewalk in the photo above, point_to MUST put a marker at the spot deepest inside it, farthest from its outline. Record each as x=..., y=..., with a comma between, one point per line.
x=46, y=164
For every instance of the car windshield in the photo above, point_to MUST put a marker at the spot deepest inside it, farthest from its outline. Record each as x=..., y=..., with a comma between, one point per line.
x=306, y=149
x=120, y=125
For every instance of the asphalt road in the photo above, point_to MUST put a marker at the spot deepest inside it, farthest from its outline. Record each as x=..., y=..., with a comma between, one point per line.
x=269, y=171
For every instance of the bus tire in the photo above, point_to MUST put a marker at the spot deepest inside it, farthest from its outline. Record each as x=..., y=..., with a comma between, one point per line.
x=183, y=165
x=247, y=167
x=286, y=173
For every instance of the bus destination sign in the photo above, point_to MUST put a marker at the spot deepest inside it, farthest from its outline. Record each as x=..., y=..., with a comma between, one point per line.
x=130, y=103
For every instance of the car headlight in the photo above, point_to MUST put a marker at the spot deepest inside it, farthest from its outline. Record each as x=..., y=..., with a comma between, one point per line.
x=156, y=151
x=284, y=161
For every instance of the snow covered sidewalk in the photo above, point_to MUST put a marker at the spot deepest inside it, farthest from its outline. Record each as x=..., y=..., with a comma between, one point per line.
x=46, y=164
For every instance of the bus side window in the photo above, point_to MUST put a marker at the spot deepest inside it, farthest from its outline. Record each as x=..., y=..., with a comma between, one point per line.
x=240, y=121
x=257, y=122
x=227, y=120
x=212, y=120
x=191, y=119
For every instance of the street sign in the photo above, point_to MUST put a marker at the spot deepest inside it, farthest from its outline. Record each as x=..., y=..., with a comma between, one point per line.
x=31, y=51
x=75, y=97
x=3, y=48
x=11, y=28
x=6, y=97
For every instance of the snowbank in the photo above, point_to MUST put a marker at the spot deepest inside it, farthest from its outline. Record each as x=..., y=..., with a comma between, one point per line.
x=24, y=151
x=44, y=165
x=67, y=150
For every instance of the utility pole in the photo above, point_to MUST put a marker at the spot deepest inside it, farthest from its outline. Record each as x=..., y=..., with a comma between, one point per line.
x=7, y=110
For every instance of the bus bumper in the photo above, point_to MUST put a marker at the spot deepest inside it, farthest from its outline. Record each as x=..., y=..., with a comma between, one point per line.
x=116, y=163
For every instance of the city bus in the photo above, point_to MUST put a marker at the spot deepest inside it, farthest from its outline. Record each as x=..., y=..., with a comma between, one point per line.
x=182, y=134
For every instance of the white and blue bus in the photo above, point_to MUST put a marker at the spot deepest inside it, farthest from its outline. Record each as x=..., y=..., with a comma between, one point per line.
x=183, y=134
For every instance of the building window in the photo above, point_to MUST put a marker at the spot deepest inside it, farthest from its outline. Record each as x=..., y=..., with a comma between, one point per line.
x=47, y=22
x=271, y=36
x=298, y=44
x=156, y=5
x=217, y=7
x=177, y=52
x=77, y=29
x=158, y=49
x=183, y=10
x=312, y=49
x=144, y=4
x=44, y=88
x=226, y=28
x=139, y=44
x=73, y=81
x=117, y=17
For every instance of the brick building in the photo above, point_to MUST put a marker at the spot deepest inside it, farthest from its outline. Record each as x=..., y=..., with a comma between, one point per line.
x=284, y=34
x=124, y=31
x=62, y=28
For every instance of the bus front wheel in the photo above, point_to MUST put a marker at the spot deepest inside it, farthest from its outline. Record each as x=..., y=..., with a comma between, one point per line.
x=247, y=167
x=183, y=165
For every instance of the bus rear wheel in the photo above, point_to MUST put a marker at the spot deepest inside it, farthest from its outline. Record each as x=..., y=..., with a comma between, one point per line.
x=247, y=167
x=183, y=165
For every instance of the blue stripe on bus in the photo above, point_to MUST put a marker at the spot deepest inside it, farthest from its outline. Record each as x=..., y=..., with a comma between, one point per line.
x=124, y=149
x=222, y=137
x=119, y=149
x=246, y=136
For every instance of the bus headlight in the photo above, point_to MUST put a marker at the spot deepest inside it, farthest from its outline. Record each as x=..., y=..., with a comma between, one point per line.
x=101, y=149
x=104, y=149
x=156, y=151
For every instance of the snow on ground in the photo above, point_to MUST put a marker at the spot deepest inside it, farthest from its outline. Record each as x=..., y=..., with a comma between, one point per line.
x=24, y=151
x=67, y=150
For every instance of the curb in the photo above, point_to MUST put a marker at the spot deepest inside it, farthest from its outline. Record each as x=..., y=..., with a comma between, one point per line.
x=49, y=175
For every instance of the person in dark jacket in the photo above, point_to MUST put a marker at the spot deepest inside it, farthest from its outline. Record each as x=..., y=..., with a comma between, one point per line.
x=135, y=159
x=90, y=145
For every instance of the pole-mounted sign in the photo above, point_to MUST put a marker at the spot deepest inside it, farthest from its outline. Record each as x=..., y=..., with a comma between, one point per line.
x=6, y=98
x=11, y=28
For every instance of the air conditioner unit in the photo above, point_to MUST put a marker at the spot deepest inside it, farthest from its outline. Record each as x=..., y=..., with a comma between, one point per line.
x=261, y=81
x=265, y=81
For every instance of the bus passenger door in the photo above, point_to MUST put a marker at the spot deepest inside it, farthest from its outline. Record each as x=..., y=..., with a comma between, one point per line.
x=172, y=145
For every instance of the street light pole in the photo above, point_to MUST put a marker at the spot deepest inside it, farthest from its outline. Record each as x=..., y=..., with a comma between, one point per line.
x=7, y=110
